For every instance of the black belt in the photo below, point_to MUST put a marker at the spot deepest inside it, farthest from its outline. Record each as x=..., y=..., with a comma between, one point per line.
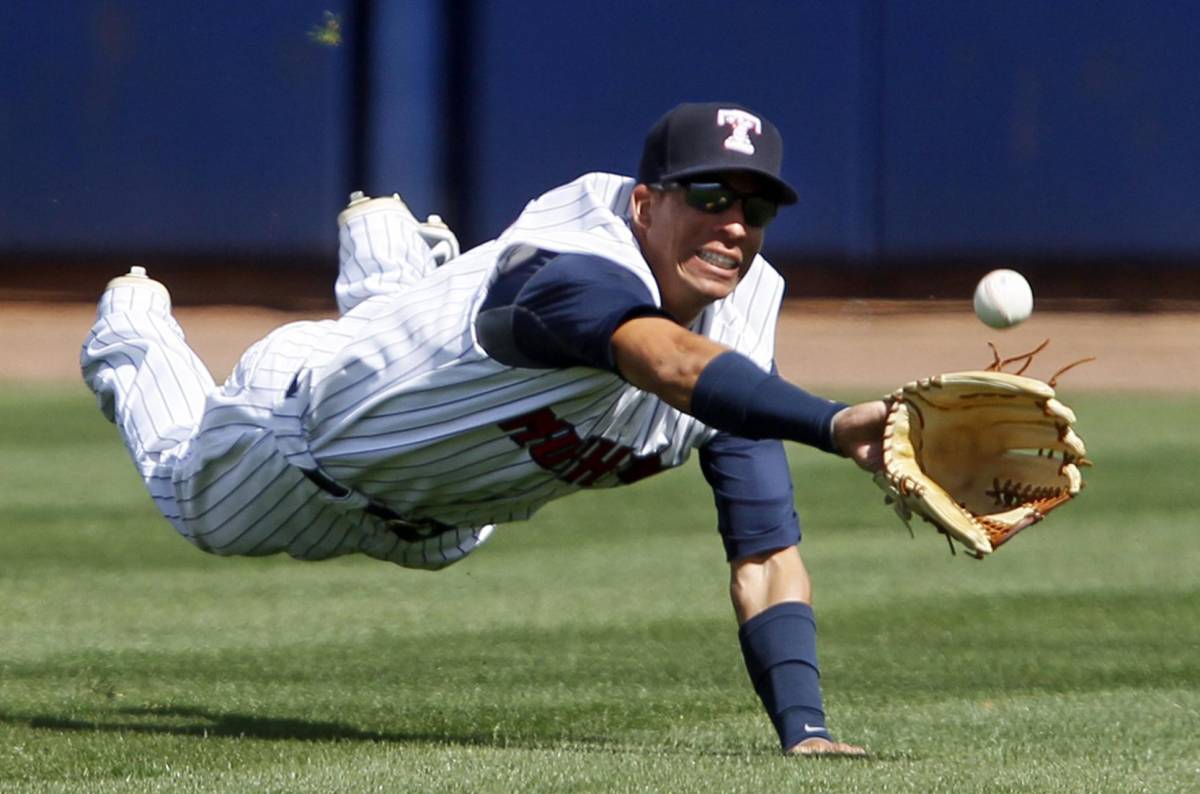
x=411, y=531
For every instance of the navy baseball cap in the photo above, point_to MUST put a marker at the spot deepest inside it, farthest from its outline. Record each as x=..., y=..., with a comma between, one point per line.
x=699, y=138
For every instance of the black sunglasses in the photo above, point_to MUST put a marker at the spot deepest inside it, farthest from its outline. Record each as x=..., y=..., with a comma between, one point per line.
x=716, y=197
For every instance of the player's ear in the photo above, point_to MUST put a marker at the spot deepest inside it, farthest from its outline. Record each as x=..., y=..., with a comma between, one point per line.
x=641, y=205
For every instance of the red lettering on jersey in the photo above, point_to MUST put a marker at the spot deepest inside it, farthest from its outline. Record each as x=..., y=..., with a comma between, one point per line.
x=551, y=453
x=597, y=462
x=640, y=468
x=538, y=424
x=554, y=445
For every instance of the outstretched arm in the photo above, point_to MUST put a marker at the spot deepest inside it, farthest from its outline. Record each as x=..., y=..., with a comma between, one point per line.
x=728, y=391
x=561, y=310
x=662, y=357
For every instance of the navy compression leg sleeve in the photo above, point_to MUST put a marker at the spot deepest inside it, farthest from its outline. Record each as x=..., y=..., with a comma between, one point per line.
x=780, y=649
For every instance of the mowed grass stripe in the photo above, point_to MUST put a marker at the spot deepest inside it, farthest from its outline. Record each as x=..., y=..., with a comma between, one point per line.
x=593, y=648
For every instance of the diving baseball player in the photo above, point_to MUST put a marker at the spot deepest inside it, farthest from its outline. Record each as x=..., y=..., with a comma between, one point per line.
x=617, y=325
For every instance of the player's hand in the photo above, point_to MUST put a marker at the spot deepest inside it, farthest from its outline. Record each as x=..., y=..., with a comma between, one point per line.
x=818, y=746
x=858, y=433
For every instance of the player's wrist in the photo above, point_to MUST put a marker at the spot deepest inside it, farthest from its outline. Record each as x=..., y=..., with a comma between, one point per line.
x=837, y=439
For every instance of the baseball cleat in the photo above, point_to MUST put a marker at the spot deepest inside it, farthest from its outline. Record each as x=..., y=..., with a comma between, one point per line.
x=136, y=277
x=360, y=204
x=442, y=242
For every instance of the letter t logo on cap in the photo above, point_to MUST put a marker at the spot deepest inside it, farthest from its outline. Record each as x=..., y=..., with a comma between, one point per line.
x=741, y=124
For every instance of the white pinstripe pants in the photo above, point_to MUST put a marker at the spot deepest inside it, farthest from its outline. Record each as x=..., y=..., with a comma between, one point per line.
x=208, y=455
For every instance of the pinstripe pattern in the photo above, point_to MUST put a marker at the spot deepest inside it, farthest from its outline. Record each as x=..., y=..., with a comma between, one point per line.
x=395, y=399
x=380, y=252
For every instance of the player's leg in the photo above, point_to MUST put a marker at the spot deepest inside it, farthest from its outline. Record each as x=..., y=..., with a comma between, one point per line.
x=145, y=377
x=238, y=483
x=772, y=595
x=235, y=491
x=382, y=248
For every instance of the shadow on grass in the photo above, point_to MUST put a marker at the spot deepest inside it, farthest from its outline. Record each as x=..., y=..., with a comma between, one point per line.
x=197, y=722
x=190, y=721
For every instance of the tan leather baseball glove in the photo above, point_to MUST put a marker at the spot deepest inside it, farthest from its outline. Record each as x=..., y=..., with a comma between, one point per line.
x=981, y=455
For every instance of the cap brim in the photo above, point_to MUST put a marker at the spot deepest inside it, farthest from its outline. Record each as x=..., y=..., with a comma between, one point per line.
x=777, y=189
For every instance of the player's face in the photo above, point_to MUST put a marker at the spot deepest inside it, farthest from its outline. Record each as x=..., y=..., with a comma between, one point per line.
x=697, y=257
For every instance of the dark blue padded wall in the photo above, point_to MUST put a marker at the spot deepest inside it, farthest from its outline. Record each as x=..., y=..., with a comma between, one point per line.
x=148, y=126
x=1068, y=127
x=405, y=125
x=566, y=88
x=928, y=129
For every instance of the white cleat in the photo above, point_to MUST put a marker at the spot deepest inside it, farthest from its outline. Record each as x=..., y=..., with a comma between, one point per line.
x=134, y=291
x=136, y=277
x=360, y=204
x=442, y=242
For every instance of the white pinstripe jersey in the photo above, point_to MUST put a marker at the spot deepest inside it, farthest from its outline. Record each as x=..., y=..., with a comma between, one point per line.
x=398, y=400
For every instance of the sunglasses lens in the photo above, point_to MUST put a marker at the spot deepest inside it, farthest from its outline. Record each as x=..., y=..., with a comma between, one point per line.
x=711, y=198
x=714, y=198
x=758, y=210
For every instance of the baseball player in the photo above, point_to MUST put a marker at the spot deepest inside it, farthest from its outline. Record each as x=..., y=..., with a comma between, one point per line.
x=617, y=325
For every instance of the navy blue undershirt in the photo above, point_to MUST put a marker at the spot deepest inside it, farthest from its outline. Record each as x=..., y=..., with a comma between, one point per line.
x=560, y=310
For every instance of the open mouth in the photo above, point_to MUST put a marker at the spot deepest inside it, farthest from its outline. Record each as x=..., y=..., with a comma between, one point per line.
x=718, y=260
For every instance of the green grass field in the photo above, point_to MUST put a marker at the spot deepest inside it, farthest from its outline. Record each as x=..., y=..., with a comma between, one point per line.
x=594, y=649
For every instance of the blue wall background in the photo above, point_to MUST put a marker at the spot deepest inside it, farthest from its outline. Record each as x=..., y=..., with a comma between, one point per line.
x=928, y=129
x=157, y=126
x=1063, y=127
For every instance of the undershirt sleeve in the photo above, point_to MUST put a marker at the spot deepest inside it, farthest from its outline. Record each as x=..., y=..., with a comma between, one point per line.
x=752, y=489
x=560, y=310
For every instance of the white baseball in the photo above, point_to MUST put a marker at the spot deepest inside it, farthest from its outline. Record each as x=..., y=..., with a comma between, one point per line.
x=1003, y=298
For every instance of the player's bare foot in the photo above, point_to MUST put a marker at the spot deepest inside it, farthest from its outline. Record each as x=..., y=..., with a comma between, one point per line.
x=817, y=746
